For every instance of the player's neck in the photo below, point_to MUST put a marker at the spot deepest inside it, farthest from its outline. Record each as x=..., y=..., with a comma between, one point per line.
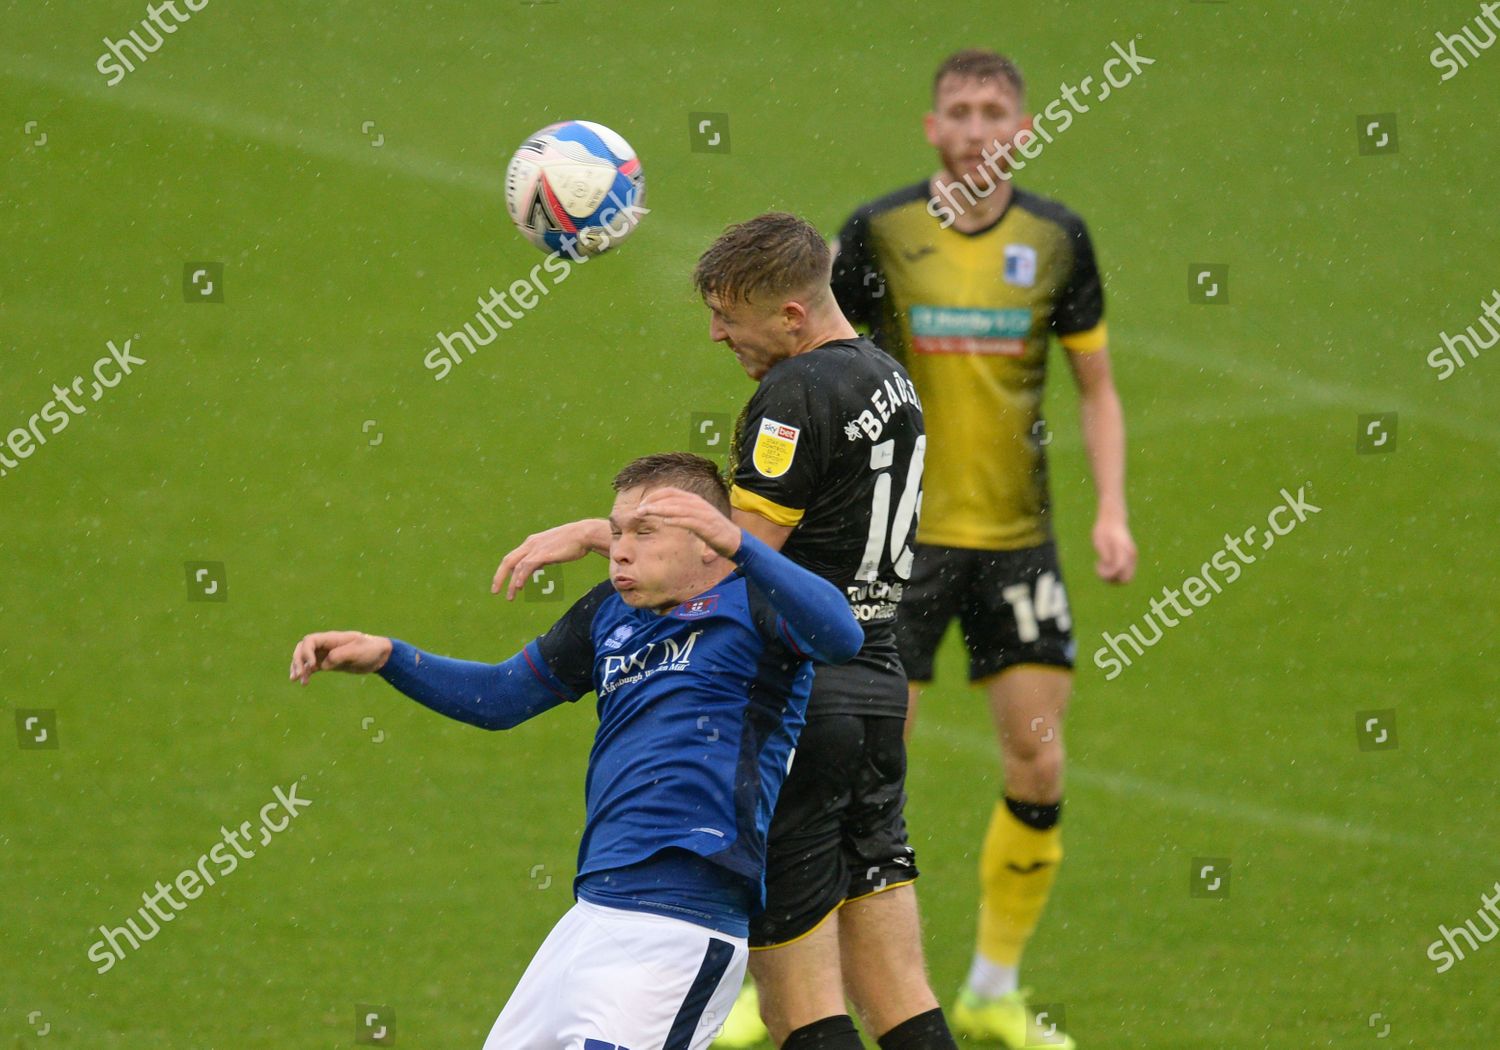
x=713, y=574
x=982, y=213
x=827, y=330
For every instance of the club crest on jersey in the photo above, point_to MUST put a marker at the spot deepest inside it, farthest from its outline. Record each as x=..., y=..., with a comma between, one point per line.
x=618, y=637
x=775, y=446
x=1020, y=265
x=696, y=608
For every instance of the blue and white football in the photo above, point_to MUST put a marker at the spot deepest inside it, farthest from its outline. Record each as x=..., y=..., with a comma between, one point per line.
x=575, y=187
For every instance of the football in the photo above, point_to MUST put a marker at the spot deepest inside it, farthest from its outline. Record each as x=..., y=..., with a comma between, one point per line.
x=576, y=187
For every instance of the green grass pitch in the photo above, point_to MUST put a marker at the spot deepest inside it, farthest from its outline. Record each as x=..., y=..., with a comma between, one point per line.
x=291, y=433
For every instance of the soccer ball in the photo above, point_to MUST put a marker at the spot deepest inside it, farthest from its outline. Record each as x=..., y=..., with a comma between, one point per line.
x=576, y=187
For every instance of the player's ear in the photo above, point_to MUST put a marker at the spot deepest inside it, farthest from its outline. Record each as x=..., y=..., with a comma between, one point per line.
x=793, y=315
x=929, y=126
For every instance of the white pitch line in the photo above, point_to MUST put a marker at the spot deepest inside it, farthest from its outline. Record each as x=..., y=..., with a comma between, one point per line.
x=136, y=94
x=1279, y=382
x=1308, y=825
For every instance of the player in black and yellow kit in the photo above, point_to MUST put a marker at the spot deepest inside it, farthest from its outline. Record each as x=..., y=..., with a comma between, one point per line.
x=966, y=279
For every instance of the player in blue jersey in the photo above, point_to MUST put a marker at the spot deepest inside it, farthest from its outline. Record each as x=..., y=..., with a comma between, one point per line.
x=700, y=649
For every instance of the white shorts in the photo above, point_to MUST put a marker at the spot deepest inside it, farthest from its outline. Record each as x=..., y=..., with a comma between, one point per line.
x=607, y=978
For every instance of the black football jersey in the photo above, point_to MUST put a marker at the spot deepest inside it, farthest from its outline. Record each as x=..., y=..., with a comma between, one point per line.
x=833, y=443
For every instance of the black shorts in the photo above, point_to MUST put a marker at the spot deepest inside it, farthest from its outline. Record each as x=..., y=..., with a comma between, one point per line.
x=838, y=832
x=1011, y=605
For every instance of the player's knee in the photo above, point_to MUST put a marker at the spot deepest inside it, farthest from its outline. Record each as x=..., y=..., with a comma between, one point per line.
x=1035, y=764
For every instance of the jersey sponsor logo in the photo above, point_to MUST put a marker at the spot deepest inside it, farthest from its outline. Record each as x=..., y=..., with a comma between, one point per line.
x=696, y=608
x=618, y=637
x=775, y=446
x=1020, y=265
x=668, y=654
x=876, y=600
x=970, y=330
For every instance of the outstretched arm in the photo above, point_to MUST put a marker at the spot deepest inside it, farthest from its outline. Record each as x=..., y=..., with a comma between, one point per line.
x=490, y=696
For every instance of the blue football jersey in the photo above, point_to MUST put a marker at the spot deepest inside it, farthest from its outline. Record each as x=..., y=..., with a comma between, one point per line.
x=699, y=712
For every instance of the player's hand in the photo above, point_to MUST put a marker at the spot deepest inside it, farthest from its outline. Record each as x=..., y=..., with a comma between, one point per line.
x=564, y=543
x=672, y=506
x=339, y=651
x=1116, y=550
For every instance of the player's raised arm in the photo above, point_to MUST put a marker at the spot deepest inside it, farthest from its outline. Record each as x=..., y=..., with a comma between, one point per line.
x=563, y=543
x=814, y=608
x=490, y=696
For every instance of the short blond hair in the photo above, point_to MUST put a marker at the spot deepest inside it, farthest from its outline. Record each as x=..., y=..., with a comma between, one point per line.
x=775, y=254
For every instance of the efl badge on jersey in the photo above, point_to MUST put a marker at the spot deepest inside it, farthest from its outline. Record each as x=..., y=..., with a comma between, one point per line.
x=1020, y=265
x=774, y=447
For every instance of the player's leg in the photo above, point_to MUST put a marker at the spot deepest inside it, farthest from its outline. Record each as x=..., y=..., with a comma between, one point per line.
x=799, y=981
x=886, y=975
x=1023, y=846
x=794, y=941
x=1018, y=631
x=929, y=601
x=880, y=934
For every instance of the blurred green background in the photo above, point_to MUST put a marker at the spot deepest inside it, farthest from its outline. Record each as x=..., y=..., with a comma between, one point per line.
x=418, y=879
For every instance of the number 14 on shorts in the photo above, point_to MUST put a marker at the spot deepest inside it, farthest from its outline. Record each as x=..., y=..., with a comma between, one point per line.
x=1045, y=598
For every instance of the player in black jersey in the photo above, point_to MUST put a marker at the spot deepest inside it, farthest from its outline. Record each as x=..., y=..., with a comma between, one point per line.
x=827, y=467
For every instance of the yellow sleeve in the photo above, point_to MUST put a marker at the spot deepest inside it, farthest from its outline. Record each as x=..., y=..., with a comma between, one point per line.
x=744, y=499
x=1086, y=342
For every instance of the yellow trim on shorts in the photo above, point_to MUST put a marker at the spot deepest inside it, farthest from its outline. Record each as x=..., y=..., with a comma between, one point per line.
x=883, y=889
x=831, y=912
x=1086, y=342
x=744, y=499
x=808, y=933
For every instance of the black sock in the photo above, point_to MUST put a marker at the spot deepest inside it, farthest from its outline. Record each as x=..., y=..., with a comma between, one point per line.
x=1034, y=815
x=831, y=1033
x=923, y=1032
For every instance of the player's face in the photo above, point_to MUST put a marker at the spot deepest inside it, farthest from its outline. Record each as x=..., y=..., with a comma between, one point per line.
x=971, y=116
x=652, y=566
x=756, y=331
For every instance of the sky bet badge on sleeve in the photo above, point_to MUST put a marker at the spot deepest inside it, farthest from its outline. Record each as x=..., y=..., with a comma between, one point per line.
x=774, y=447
